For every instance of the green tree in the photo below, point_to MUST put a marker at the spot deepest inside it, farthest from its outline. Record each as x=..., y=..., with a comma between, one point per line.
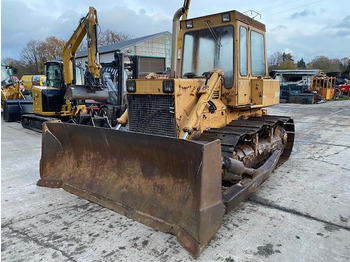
x=301, y=64
x=345, y=62
x=287, y=56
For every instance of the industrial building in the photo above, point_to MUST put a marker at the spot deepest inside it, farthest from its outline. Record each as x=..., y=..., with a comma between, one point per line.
x=154, y=51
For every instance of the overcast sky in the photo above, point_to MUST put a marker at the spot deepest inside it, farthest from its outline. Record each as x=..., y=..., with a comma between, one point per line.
x=306, y=28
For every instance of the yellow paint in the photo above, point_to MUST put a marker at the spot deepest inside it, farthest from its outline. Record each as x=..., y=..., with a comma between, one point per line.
x=85, y=27
x=67, y=108
x=193, y=96
x=10, y=92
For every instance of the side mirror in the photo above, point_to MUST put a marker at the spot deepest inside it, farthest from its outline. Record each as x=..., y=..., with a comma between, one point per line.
x=15, y=71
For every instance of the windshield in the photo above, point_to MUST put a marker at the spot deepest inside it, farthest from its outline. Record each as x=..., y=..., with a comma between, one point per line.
x=209, y=49
x=54, y=75
x=109, y=79
x=79, y=75
x=6, y=76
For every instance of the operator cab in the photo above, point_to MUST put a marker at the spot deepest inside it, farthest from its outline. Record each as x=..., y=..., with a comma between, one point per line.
x=54, y=74
x=229, y=41
x=52, y=95
x=6, y=75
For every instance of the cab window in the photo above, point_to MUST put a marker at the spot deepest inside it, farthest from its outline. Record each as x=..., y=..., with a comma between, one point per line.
x=257, y=54
x=205, y=50
x=243, y=51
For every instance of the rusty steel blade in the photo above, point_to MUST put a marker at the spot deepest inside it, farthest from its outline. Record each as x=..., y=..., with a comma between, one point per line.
x=169, y=184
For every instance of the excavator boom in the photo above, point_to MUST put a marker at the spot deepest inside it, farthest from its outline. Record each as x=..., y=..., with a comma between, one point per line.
x=87, y=26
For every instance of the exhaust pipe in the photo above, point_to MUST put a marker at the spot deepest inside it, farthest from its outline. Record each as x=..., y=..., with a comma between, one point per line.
x=176, y=25
x=174, y=53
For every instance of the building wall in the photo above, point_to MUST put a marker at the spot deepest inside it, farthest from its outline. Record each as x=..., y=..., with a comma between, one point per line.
x=107, y=57
x=156, y=47
x=159, y=46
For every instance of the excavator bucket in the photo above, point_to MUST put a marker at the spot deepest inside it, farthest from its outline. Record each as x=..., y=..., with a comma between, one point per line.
x=169, y=184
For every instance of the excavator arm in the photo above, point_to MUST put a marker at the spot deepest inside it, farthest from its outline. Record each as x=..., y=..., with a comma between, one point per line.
x=87, y=26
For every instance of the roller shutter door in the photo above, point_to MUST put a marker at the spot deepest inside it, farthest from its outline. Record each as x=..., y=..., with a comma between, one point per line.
x=152, y=64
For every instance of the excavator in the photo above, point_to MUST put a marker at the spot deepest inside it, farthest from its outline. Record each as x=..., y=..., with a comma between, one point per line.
x=13, y=102
x=66, y=89
x=188, y=148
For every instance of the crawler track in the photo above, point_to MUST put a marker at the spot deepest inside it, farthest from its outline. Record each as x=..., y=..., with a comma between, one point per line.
x=34, y=122
x=230, y=135
x=236, y=132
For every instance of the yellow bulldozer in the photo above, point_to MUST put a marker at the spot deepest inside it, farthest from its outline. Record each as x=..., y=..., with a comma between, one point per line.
x=11, y=93
x=10, y=89
x=188, y=148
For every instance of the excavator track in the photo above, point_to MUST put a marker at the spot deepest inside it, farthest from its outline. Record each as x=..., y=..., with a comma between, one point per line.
x=34, y=122
x=237, y=132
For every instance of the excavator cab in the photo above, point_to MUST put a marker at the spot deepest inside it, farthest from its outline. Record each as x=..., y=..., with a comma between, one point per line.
x=49, y=101
x=54, y=74
x=188, y=148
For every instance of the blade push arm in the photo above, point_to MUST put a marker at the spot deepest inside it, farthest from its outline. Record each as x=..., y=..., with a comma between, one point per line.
x=87, y=26
x=206, y=93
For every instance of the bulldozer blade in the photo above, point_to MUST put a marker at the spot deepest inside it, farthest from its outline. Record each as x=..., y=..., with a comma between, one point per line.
x=169, y=184
x=15, y=108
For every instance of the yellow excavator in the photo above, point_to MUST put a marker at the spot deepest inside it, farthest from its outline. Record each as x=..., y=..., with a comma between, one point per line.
x=63, y=96
x=189, y=148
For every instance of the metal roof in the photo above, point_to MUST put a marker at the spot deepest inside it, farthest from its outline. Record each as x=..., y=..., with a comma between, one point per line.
x=297, y=72
x=121, y=45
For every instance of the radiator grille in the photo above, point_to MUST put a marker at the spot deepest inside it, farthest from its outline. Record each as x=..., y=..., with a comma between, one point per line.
x=152, y=114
